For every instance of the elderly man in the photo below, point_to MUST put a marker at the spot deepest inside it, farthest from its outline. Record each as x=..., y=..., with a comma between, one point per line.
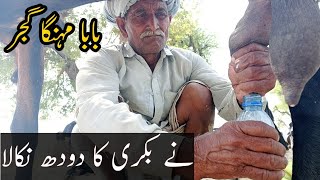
x=144, y=86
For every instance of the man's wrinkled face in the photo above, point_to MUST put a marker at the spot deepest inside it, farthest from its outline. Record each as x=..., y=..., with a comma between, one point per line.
x=146, y=26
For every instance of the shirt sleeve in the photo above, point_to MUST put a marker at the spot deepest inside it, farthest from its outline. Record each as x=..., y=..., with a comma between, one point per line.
x=97, y=87
x=222, y=91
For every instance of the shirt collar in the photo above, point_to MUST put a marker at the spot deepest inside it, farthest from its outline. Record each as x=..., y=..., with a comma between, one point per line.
x=128, y=51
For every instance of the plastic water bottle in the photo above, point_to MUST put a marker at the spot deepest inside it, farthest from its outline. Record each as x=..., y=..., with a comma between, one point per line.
x=252, y=110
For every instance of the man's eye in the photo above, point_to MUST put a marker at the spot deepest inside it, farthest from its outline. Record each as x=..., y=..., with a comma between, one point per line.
x=161, y=15
x=141, y=14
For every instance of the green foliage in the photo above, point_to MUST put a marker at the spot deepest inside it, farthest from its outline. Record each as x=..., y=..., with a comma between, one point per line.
x=288, y=172
x=57, y=92
x=185, y=33
x=281, y=108
x=7, y=67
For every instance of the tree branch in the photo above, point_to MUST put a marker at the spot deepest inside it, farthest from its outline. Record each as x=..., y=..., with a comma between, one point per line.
x=282, y=112
x=69, y=67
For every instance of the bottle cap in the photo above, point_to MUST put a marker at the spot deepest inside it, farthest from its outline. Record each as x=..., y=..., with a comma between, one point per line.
x=252, y=99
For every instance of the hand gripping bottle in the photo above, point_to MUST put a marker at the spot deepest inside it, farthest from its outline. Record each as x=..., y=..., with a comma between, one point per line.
x=252, y=110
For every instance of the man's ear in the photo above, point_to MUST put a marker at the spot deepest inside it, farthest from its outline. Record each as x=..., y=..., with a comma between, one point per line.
x=121, y=24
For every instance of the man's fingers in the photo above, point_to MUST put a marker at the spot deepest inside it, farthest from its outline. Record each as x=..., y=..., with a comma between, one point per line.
x=250, y=135
x=266, y=161
x=240, y=149
x=249, y=48
x=227, y=171
x=258, y=129
x=243, y=89
x=241, y=157
x=254, y=73
x=260, y=86
x=258, y=58
x=265, y=145
x=260, y=174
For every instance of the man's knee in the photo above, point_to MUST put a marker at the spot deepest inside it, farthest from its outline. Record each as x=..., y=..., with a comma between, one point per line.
x=195, y=108
x=195, y=100
x=198, y=96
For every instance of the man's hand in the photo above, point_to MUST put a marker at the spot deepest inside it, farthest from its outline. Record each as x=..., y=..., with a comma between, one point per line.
x=240, y=149
x=250, y=71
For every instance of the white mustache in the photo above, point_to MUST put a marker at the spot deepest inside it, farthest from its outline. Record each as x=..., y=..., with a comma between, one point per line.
x=158, y=32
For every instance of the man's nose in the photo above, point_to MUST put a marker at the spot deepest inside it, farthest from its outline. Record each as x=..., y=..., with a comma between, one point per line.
x=153, y=23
